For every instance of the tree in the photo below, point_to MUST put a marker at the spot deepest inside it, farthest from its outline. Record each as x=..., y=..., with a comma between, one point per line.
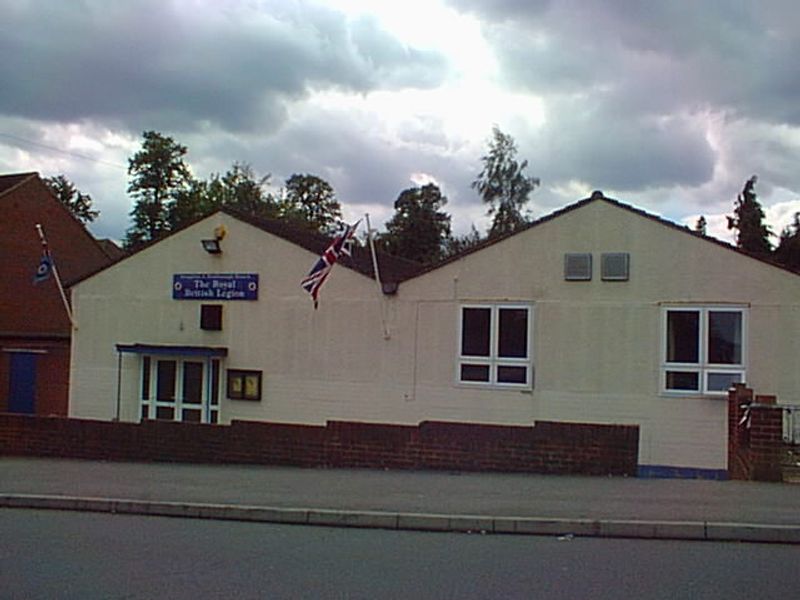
x=158, y=172
x=79, y=204
x=238, y=188
x=241, y=189
x=189, y=203
x=748, y=221
x=419, y=229
x=701, y=225
x=311, y=201
x=788, y=251
x=502, y=184
x=458, y=244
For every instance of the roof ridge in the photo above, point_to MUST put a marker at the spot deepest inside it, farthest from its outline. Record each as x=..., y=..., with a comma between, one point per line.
x=398, y=269
x=598, y=196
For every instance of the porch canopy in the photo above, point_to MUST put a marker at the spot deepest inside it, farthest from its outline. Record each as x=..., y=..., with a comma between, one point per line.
x=208, y=351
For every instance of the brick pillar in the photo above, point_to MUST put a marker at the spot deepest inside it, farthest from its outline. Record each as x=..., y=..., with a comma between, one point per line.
x=766, y=439
x=739, y=398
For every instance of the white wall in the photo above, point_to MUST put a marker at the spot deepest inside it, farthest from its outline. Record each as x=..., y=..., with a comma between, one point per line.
x=596, y=345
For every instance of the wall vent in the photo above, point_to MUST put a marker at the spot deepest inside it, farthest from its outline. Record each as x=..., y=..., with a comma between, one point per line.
x=615, y=266
x=578, y=267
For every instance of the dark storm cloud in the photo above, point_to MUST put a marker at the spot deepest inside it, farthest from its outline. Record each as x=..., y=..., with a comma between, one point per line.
x=624, y=154
x=659, y=56
x=164, y=65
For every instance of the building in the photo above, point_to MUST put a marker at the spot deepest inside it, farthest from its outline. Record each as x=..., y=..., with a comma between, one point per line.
x=34, y=327
x=597, y=314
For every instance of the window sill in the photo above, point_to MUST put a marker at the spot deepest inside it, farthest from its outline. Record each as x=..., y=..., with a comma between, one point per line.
x=494, y=387
x=693, y=396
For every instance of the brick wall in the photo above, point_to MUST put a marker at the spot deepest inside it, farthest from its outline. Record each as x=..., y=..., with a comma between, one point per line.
x=755, y=436
x=547, y=447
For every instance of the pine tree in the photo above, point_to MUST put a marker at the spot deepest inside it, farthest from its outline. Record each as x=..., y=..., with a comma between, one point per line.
x=788, y=251
x=748, y=221
x=701, y=225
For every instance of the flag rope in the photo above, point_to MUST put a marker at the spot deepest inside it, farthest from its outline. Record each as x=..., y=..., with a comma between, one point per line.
x=377, y=273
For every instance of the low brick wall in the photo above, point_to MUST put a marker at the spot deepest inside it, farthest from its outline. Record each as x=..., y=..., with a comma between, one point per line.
x=547, y=447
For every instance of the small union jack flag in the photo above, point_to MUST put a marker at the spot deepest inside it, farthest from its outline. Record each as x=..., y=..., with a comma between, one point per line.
x=322, y=268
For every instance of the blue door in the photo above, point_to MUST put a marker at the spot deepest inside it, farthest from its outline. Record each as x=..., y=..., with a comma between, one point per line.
x=22, y=384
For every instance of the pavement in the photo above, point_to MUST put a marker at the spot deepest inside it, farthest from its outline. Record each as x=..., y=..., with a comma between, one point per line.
x=418, y=500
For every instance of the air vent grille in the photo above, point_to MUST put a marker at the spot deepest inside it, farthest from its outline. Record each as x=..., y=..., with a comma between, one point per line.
x=615, y=266
x=578, y=267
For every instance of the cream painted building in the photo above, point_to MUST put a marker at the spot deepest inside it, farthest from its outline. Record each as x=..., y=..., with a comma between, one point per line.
x=599, y=313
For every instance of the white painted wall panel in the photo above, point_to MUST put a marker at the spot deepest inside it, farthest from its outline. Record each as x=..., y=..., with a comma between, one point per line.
x=596, y=344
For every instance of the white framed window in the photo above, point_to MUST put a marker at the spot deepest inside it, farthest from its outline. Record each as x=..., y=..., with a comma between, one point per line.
x=180, y=389
x=495, y=345
x=704, y=349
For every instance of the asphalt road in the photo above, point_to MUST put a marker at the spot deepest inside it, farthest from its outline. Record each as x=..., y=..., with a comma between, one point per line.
x=49, y=554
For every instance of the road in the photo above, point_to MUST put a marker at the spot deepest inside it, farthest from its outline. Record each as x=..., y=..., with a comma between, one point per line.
x=50, y=554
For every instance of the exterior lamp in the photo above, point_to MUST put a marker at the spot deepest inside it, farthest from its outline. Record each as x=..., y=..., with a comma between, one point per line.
x=212, y=246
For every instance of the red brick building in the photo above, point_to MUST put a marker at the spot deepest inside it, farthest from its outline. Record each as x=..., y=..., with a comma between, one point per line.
x=34, y=327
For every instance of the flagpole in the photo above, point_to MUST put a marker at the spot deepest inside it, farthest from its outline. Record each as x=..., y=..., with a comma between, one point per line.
x=381, y=299
x=56, y=275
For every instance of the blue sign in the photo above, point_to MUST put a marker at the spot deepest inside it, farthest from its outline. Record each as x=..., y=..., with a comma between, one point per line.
x=224, y=286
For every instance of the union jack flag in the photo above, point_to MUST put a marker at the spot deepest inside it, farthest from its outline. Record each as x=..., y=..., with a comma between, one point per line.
x=322, y=268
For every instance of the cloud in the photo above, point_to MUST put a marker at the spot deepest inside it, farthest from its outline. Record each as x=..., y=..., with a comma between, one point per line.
x=668, y=106
x=178, y=65
x=655, y=57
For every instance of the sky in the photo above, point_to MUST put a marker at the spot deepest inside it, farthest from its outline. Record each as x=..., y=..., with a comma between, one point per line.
x=668, y=106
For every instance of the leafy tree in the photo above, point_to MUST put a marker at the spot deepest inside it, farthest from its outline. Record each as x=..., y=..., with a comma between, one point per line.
x=158, y=172
x=419, y=229
x=458, y=244
x=238, y=188
x=748, y=221
x=701, y=225
x=788, y=251
x=241, y=189
x=311, y=201
x=503, y=185
x=189, y=203
x=79, y=204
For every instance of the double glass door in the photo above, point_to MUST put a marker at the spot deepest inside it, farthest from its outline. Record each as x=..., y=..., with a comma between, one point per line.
x=180, y=389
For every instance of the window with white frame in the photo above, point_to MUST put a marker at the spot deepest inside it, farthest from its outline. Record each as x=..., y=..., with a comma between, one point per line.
x=180, y=389
x=495, y=345
x=704, y=349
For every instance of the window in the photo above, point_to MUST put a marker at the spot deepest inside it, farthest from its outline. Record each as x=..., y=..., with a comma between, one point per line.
x=244, y=385
x=578, y=267
x=179, y=389
x=704, y=349
x=495, y=345
x=211, y=317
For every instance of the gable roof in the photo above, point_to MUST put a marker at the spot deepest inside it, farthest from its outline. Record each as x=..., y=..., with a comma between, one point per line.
x=597, y=196
x=27, y=201
x=392, y=268
x=9, y=182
